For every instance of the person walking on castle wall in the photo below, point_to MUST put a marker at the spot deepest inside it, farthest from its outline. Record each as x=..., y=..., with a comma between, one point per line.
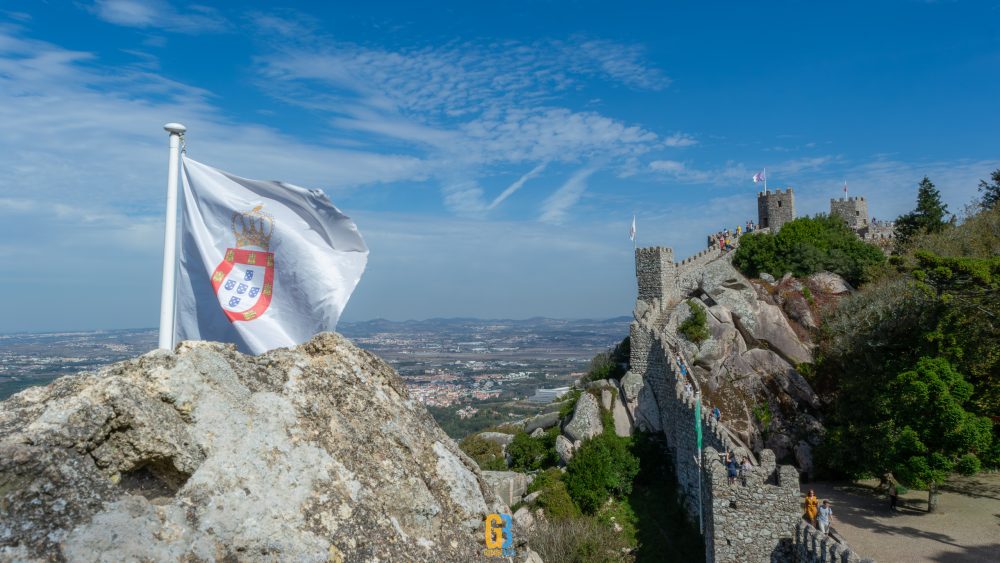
x=812, y=505
x=732, y=468
x=688, y=390
x=716, y=414
x=825, y=518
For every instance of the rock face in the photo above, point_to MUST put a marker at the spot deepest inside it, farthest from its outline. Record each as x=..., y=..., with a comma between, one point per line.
x=564, y=448
x=310, y=454
x=509, y=485
x=586, y=421
x=747, y=366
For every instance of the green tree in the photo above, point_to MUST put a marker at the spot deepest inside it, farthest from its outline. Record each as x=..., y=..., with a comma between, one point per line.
x=990, y=191
x=603, y=466
x=808, y=245
x=928, y=217
x=933, y=431
x=528, y=454
x=695, y=327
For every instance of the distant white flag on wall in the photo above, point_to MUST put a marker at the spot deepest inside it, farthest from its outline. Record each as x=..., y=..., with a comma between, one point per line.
x=263, y=264
x=631, y=230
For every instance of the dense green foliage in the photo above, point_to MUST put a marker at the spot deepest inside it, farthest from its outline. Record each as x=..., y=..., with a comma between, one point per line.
x=528, y=454
x=990, y=191
x=489, y=455
x=911, y=363
x=603, y=466
x=611, y=364
x=806, y=246
x=695, y=327
x=927, y=218
x=554, y=497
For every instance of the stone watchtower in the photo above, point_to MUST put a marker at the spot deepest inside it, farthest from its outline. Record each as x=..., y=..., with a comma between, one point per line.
x=774, y=209
x=656, y=274
x=853, y=210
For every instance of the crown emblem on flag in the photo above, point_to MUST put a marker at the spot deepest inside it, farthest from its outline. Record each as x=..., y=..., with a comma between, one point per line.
x=253, y=228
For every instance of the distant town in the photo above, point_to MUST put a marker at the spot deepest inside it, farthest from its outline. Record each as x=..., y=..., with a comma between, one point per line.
x=457, y=366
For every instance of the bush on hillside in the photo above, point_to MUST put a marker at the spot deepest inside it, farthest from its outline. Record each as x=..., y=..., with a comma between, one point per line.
x=577, y=540
x=488, y=455
x=603, y=466
x=528, y=454
x=806, y=246
x=695, y=327
x=554, y=497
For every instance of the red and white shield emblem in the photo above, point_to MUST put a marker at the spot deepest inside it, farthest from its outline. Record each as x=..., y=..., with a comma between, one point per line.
x=244, y=280
x=244, y=283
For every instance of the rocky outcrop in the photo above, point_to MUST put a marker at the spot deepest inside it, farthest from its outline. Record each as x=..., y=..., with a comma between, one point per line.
x=564, y=448
x=308, y=454
x=748, y=365
x=509, y=485
x=586, y=422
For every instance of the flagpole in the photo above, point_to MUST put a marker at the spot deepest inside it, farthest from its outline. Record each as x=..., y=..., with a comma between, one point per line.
x=765, y=180
x=167, y=289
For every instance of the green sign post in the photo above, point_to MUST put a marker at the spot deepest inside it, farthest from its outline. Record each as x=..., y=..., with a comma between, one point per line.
x=697, y=431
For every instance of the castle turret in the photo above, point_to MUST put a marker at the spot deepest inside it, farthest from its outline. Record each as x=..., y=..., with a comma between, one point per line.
x=853, y=210
x=776, y=208
x=656, y=274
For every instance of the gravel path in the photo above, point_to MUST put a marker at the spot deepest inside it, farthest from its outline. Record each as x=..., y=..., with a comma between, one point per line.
x=966, y=527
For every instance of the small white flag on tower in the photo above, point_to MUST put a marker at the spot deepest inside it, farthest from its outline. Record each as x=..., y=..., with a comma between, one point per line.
x=631, y=230
x=263, y=264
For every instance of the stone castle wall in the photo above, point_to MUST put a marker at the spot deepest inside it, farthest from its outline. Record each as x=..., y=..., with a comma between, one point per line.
x=758, y=521
x=853, y=210
x=656, y=272
x=751, y=522
x=776, y=208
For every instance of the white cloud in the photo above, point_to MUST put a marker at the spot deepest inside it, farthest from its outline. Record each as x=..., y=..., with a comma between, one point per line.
x=517, y=185
x=678, y=140
x=159, y=14
x=555, y=208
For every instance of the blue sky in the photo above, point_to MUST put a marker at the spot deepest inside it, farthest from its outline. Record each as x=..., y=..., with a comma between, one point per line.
x=491, y=153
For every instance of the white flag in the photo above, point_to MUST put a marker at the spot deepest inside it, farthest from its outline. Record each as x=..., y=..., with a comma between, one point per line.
x=263, y=264
x=631, y=230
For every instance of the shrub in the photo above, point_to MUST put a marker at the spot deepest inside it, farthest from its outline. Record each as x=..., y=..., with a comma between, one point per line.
x=577, y=540
x=763, y=415
x=554, y=497
x=808, y=245
x=488, y=455
x=695, y=327
x=968, y=464
x=528, y=454
x=603, y=466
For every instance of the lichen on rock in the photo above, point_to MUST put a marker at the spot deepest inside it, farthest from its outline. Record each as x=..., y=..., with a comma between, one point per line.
x=204, y=453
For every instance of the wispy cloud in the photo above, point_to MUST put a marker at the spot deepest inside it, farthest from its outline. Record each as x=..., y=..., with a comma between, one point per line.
x=555, y=208
x=517, y=185
x=159, y=14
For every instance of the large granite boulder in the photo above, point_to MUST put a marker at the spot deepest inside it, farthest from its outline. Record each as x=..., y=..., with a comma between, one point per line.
x=510, y=486
x=828, y=282
x=565, y=449
x=631, y=384
x=313, y=453
x=586, y=422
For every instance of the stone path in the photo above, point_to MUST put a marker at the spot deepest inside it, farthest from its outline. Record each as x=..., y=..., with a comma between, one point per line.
x=966, y=528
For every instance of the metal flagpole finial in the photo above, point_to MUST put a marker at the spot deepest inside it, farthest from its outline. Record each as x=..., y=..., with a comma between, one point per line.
x=177, y=129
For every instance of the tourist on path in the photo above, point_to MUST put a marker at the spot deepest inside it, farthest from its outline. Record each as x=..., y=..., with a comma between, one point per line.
x=745, y=470
x=812, y=506
x=732, y=468
x=716, y=414
x=893, y=497
x=825, y=517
